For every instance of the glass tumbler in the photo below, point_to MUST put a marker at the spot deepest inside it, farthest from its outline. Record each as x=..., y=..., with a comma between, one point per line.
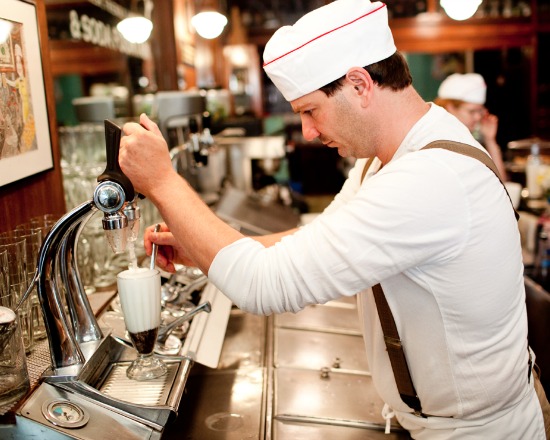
x=14, y=376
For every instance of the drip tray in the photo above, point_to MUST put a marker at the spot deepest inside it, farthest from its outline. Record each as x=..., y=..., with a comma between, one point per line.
x=151, y=392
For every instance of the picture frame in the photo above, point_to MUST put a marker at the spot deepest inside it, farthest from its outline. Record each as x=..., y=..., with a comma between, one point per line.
x=25, y=138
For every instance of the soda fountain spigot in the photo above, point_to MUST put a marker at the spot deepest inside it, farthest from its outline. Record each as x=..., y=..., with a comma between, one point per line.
x=133, y=214
x=109, y=198
x=113, y=192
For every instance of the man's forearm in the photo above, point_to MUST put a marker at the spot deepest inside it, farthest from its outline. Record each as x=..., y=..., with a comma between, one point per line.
x=191, y=221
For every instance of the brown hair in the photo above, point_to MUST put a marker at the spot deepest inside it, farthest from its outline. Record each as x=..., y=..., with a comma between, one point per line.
x=393, y=72
x=446, y=102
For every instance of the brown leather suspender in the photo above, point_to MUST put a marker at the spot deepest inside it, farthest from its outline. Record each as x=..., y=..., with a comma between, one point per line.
x=395, y=351
x=392, y=340
x=476, y=153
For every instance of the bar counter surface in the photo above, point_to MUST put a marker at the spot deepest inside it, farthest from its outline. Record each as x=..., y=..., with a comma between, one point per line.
x=289, y=376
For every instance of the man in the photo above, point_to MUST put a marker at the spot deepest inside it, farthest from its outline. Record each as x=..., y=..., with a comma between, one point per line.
x=433, y=227
x=463, y=95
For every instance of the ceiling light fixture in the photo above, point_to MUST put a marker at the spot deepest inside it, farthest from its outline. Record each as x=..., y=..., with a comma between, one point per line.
x=208, y=22
x=137, y=28
x=460, y=9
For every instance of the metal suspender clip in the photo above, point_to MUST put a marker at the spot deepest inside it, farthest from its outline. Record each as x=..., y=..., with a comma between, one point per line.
x=392, y=342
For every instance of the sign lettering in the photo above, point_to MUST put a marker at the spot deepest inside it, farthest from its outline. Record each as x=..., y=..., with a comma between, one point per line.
x=94, y=31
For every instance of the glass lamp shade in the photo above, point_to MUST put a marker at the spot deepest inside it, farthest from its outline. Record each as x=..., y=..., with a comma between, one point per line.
x=135, y=29
x=460, y=9
x=209, y=24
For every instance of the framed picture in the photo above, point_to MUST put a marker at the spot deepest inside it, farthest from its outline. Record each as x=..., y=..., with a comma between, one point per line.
x=25, y=143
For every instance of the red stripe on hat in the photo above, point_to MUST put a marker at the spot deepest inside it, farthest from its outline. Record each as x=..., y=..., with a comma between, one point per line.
x=326, y=33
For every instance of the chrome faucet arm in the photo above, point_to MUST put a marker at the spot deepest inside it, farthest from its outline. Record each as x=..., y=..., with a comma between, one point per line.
x=164, y=331
x=64, y=349
x=84, y=324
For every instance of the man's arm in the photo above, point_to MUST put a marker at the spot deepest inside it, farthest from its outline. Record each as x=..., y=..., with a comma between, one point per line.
x=271, y=239
x=145, y=159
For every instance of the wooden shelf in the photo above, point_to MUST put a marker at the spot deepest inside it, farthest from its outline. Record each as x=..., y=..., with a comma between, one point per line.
x=433, y=33
x=68, y=57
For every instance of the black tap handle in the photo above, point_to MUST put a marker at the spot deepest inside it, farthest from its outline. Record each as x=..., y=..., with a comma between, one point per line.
x=113, y=134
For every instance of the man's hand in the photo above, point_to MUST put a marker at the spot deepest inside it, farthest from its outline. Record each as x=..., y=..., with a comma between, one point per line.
x=169, y=251
x=489, y=127
x=144, y=156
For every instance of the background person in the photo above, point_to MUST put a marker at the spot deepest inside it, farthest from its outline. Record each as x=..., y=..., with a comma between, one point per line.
x=464, y=95
x=434, y=228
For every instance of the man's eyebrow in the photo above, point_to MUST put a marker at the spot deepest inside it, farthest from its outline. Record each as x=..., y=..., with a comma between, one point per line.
x=300, y=107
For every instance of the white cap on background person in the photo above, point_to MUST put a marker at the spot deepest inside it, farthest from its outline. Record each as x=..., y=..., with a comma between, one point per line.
x=467, y=87
x=325, y=43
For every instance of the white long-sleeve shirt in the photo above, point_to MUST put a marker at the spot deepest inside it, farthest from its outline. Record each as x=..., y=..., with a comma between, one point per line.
x=437, y=230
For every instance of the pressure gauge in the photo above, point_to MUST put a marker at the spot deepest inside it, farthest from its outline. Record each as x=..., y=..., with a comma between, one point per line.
x=65, y=414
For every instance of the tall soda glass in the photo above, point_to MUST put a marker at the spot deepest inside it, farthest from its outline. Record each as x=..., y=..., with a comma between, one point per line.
x=140, y=299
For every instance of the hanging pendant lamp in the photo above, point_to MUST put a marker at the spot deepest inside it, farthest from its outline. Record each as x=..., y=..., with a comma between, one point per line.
x=460, y=9
x=208, y=22
x=137, y=28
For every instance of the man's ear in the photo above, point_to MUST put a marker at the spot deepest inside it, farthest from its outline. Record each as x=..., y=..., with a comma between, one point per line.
x=360, y=79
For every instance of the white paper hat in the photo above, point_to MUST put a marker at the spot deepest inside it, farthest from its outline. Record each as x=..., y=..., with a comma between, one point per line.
x=467, y=87
x=325, y=43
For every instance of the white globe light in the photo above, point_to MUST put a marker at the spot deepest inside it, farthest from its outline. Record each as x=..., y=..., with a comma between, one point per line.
x=460, y=9
x=209, y=24
x=135, y=29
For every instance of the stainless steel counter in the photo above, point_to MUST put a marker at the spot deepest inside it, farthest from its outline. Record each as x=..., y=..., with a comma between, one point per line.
x=228, y=402
x=291, y=376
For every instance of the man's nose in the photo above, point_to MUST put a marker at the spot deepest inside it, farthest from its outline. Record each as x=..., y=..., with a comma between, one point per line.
x=308, y=130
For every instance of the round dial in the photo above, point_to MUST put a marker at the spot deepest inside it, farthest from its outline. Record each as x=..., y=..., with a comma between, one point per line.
x=65, y=414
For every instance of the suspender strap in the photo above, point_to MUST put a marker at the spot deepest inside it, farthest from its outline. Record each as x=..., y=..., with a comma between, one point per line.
x=392, y=340
x=395, y=351
x=366, y=168
x=476, y=153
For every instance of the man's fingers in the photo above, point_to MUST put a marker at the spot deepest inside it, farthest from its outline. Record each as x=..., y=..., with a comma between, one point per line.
x=149, y=125
x=163, y=238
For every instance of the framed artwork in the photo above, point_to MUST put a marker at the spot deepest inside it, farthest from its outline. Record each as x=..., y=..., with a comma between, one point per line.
x=25, y=143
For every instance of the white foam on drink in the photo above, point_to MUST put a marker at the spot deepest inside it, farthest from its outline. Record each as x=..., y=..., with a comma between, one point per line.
x=139, y=292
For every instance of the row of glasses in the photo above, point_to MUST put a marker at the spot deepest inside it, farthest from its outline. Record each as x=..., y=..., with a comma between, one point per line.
x=22, y=247
x=43, y=224
x=14, y=377
x=6, y=299
x=33, y=233
x=16, y=277
x=83, y=158
x=82, y=144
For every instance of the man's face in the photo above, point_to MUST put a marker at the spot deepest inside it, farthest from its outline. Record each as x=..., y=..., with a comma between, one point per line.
x=335, y=120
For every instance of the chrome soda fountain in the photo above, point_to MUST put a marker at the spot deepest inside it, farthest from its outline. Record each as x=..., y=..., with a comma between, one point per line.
x=72, y=342
x=84, y=388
